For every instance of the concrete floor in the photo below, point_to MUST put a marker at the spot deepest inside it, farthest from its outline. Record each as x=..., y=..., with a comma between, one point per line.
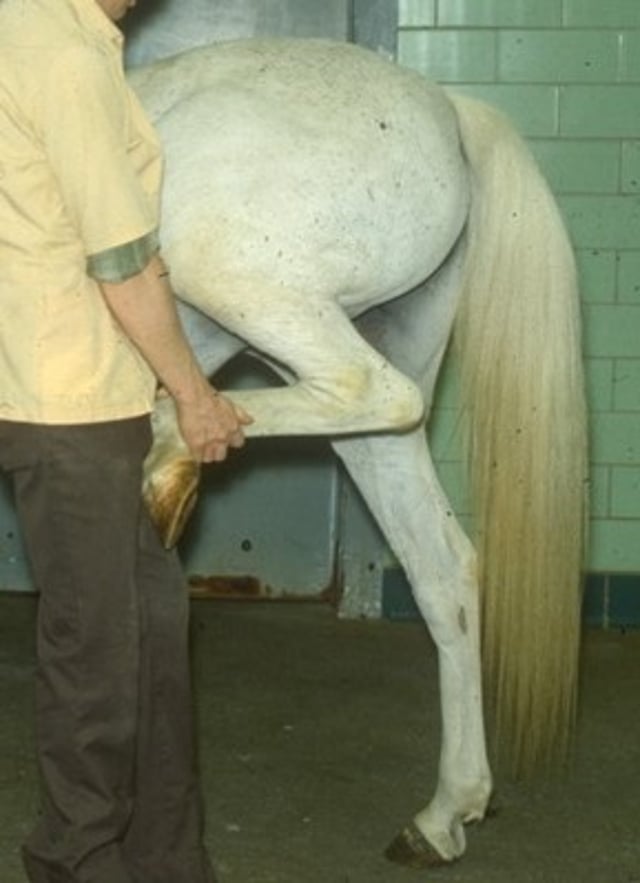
x=319, y=739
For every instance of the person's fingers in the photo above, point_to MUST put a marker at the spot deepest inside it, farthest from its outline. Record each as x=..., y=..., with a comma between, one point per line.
x=243, y=416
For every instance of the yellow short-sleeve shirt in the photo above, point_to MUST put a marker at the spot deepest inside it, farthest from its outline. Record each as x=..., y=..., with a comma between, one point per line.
x=80, y=177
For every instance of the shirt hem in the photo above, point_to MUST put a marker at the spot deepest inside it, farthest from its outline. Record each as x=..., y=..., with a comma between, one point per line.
x=70, y=417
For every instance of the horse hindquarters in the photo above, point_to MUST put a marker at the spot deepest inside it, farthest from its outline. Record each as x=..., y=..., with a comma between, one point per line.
x=518, y=334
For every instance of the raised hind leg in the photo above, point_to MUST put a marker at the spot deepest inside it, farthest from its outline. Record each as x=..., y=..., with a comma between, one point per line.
x=339, y=384
x=396, y=476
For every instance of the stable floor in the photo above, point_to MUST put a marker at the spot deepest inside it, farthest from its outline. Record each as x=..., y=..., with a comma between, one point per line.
x=319, y=739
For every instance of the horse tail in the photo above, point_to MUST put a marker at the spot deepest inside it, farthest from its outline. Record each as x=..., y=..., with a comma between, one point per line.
x=518, y=331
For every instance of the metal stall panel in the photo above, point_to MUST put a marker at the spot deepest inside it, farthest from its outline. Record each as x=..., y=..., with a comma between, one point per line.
x=14, y=570
x=169, y=27
x=266, y=521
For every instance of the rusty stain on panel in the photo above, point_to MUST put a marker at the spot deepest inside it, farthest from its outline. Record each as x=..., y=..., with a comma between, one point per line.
x=249, y=588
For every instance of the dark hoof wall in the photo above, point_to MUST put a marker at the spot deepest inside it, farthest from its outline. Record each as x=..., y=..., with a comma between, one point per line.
x=412, y=850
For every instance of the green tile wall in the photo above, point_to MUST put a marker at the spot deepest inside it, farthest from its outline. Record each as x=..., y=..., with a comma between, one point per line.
x=626, y=385
x=417, y=13
x=557, y=56
x=599, y=13
x=631, y=164
x=499, y=13
x=568, y=74
x=599, y=111
x=578, y=166
x=599, y=376
x=629, y=277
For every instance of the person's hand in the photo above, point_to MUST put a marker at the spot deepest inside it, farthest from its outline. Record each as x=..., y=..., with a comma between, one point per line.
x=211, y=424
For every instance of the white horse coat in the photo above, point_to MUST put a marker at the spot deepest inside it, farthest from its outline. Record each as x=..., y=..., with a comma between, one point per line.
x=337, y=215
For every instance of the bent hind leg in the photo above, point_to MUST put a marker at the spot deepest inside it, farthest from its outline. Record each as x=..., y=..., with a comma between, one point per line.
x=338, y=383
x=395, y=474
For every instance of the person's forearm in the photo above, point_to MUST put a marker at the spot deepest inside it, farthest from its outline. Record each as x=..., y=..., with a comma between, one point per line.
x=144, y=306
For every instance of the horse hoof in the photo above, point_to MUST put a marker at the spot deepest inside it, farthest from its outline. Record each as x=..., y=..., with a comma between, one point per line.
x=170, y=496
x=412, y=850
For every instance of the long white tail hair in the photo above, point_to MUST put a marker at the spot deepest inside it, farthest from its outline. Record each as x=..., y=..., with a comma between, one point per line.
x=519, y=342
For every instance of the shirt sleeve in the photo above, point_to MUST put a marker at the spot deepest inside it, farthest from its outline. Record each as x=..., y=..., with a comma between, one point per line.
x=87, y=139
x=123, y=261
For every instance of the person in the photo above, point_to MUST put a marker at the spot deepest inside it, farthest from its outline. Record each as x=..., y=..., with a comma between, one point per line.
x=88, y=332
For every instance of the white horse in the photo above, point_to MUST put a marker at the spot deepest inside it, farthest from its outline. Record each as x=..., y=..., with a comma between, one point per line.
x=338, y=216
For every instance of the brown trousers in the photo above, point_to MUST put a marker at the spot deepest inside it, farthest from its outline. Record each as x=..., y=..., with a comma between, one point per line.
x=114, y=730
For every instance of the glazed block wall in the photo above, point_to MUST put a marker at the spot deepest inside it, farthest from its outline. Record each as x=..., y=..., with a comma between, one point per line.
x=568, y=74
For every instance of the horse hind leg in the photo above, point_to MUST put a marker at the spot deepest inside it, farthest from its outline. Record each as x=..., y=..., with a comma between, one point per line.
x=396, y=476
x=342, y=380
x=338, y=383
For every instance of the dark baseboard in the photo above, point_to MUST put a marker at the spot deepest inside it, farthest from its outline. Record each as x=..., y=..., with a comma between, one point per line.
x=611, y=600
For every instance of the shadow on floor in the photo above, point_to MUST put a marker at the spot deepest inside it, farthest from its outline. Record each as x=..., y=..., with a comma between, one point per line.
x=319, y=739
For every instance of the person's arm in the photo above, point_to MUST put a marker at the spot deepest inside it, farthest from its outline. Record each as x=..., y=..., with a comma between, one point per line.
x=144, y=306
x=116, y=221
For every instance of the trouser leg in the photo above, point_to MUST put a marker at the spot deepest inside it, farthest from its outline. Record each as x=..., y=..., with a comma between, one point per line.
x=77, y=496
x=164, y=840
x=99, y=687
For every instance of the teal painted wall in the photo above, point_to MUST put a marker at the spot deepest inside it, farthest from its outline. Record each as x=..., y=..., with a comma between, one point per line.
x=568, y=74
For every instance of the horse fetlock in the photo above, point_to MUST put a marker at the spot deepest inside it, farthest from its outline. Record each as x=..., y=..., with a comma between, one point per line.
x=442, y=823
x=466, y=800
x=475, y=800
x=167, y=438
